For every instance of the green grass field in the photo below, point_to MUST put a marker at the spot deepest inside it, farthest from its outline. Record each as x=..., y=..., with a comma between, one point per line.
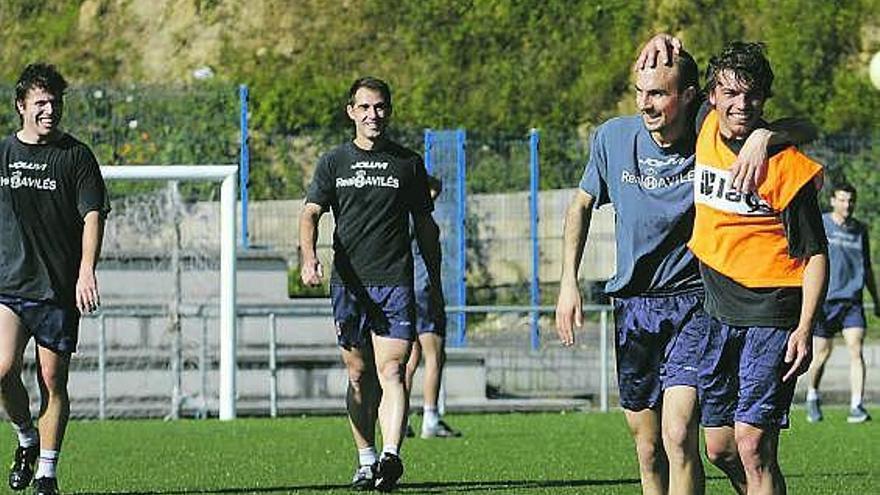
x=499, y=454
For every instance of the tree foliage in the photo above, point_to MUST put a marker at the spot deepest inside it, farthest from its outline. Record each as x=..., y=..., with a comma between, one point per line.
x=494, y=67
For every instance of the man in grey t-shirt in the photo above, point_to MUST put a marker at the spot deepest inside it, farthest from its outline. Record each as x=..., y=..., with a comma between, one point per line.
x=850, y=259
x=643, y=165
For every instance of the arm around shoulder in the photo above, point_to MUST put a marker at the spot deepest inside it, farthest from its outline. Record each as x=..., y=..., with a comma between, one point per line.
x=791, y=130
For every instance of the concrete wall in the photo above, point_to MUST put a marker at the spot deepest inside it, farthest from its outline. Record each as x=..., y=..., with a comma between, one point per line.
x=503, y=227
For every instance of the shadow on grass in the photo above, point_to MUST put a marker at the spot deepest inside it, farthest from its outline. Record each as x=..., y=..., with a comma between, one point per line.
x=443, y=486
x=422, y=487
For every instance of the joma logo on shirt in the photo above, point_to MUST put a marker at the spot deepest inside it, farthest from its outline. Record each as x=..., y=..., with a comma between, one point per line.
x=369, y=165
x=28, y=166
x=361, y=179
x=656, y=162
x=714, y=189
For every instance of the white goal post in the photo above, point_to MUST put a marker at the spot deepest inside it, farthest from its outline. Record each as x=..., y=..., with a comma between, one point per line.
x=228, y=176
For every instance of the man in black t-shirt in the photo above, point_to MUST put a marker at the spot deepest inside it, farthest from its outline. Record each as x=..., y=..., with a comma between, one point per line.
x=52, y=208
x=373, y=187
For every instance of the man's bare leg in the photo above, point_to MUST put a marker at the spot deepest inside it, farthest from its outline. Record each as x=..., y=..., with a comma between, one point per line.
x=362, y=398
x=52, y=372
x=681, y=439
x=653, y=467
x=14, y=395
x=391, y=355
x=722, y=452
x=412, y=364
x=434, y=351
x=822, y=347
x=16, y=402
x=758, y=450
x=854, y=338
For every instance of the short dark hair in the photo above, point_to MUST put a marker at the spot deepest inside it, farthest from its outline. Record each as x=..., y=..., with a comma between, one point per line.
x=748, y=64
x=373, y=83
x=689, y=76
x=688, y=72
x=40, y=75
x=843, y=187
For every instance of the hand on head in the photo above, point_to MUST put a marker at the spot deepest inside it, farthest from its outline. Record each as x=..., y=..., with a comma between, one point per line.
x=659, y=50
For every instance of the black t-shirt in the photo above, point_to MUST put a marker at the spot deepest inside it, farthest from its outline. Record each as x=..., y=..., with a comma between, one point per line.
x=372, y=195
x=45, y=191
x=737, y=305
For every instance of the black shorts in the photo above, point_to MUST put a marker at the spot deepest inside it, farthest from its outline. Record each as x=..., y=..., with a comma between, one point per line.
x=51, y=325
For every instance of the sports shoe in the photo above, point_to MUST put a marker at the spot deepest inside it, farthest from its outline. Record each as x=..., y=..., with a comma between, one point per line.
x=858, y=414
x=390, y=470
x=21, y=472
x=45, y=486
x=410, y=433
x=814, y=413
x=442, y=430
x=364, y=477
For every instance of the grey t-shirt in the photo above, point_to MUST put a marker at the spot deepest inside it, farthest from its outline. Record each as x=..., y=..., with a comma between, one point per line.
x=652, y=191
x=848, y=254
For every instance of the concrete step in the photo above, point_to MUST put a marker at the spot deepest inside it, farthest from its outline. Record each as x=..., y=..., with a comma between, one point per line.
x=159, y=407
x=140, y=383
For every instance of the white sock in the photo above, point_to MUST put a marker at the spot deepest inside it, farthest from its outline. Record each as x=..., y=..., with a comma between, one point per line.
x=390, y=449
x=48, y=461
x=855, y=401
x=367, y=456
x=431, y=418
x=28, y=436
x=812, y=394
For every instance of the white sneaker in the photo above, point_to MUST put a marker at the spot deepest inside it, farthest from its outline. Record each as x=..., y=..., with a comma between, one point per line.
x=364, y=477
x=442, y=430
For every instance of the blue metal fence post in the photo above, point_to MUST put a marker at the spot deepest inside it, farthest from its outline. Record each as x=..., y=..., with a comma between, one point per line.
x=244, y=165
x=461, y=213
x=429, y=157
x=534, y=172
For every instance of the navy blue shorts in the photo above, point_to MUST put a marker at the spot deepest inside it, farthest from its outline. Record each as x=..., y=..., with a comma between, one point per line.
x=429, y=318
x=741, y=370
x=52, y=326
x=838, y=314
x=657, y=341
x=387, y=311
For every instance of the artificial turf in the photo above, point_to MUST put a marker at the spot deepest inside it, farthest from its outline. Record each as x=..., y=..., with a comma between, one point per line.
x=498, y=454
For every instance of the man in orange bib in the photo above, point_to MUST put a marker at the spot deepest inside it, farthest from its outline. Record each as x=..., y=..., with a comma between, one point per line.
x=763, y=259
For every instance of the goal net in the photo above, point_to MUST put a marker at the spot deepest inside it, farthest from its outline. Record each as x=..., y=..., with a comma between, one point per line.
x=167, y=279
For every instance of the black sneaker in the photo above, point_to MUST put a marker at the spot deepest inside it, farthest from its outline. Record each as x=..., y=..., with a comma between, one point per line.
x=389, y=471
x=45, y=486
x=410, y=433
x=22, y=470
x=364, y=478
x=442, y=430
